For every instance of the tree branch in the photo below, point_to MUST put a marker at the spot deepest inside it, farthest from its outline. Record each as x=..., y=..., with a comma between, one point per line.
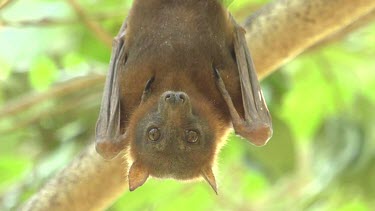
x=89, y=183
x=93, y=26
x=363, y=21
x=30, y=100
x=283, y=29
x=5, y=3
x=276, y=34
x=53, y=22
x=58, y=110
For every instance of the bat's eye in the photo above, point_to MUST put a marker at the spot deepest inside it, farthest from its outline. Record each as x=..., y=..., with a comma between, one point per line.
x=153, y=134
x=191, y=136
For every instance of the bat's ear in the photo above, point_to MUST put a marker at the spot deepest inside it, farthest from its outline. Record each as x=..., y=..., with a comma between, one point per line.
x=209, y=176
x=138, y=175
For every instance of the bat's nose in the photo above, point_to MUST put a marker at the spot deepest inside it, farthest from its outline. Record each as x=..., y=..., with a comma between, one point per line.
x=175, y=98
x=174, y=106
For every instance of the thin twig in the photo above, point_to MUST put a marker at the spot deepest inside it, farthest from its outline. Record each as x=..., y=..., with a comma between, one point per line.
x=42, y=22
x=52, y=22
x=5, y=3
x=30, y=100
x=62, y=109
x=93, y=26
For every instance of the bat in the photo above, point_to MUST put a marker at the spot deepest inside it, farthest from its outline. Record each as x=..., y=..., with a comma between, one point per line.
x=180, y=76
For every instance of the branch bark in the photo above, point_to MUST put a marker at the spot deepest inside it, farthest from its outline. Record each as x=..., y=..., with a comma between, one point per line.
x=280, y=31
x=276, y=34
x=5, y=3
x=88, y=183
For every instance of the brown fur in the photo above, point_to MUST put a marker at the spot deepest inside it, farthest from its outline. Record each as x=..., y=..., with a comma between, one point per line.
x=180, y=74
x=178, y=43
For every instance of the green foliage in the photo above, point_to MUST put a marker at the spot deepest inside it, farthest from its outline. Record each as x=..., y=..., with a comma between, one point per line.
x=241, y=4
x=321, y=156
x=11, y=169
x=356, y=205
x=42, y=73
x=5, y=70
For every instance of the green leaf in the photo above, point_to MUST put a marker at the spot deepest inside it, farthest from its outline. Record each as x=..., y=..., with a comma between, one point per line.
x=235, y=5
x=309, y=101
x=227, y=2
x=255, y=184
x=11, y=169
x=42, y=73
x=356, y=204
x=5, y=70
x=72, y=59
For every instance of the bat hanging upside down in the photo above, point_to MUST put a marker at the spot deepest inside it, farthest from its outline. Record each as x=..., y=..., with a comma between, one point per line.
x=180, y=76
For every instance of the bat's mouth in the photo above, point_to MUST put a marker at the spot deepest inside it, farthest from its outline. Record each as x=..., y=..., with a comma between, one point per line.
x=176, y=170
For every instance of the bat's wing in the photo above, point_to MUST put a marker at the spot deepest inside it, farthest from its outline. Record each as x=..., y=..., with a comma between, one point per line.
x=257, y=124
x=109, y=140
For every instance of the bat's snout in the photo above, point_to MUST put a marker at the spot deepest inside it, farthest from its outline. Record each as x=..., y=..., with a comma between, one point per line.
x=175, y=98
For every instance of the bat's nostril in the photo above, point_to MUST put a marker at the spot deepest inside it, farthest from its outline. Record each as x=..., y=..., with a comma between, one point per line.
x=175, y=97
x=182, y=97
x=168, y=96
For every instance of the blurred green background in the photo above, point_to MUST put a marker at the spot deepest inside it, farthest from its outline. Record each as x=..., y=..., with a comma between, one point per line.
x=53, y=60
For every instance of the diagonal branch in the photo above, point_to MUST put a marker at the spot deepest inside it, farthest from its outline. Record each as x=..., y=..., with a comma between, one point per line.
x=53, y=22
x=29, y=100
x=93, y=26
x=283, y=29
x=5, y=3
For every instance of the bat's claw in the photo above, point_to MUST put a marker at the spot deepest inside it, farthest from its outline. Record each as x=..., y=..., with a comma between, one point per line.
x=258, y=134
x=108, y=149
x=263, y=135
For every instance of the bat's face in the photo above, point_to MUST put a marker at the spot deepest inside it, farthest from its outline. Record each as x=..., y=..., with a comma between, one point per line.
x=174, y=140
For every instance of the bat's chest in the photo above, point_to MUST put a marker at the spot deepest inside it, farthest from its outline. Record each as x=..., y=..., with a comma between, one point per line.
x=178, y=65
x=182, y=34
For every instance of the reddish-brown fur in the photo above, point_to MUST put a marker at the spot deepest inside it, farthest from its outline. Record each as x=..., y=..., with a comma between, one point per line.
x=218, y=128
x=179, y=42
x=180, y=74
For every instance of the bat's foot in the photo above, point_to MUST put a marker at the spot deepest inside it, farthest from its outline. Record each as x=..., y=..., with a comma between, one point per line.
x=108, y=149
x=257, y=134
